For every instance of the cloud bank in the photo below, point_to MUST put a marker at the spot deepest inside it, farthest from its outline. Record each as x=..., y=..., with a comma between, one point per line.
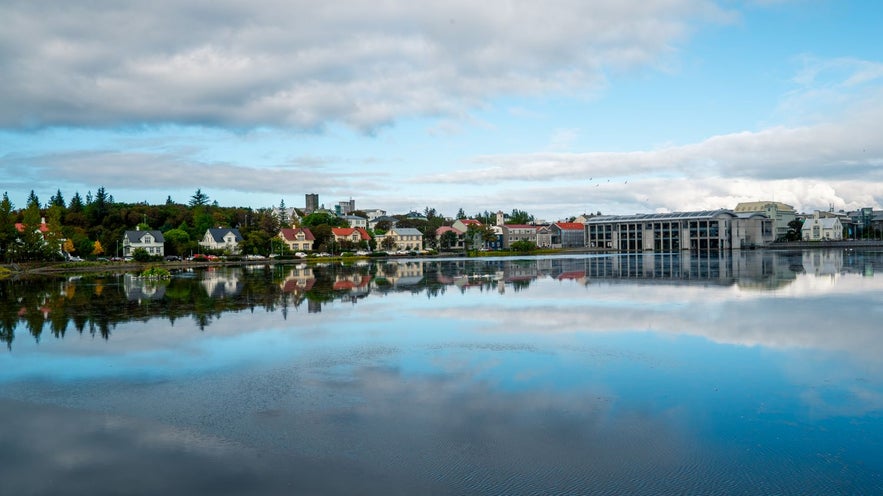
x=305, y=64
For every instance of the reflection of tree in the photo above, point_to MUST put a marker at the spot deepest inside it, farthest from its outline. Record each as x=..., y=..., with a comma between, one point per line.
x=97, y=304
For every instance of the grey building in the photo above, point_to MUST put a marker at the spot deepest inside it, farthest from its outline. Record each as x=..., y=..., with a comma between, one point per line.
x=706, y=230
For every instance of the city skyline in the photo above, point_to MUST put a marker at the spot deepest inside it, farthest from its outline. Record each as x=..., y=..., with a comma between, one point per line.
x=556, y=109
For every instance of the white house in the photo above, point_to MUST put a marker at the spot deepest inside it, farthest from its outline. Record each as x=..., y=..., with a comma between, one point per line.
x=820, y=228
x=152, y=242
x=222, y=239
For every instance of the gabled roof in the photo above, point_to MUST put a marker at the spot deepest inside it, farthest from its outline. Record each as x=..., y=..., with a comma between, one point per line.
x=218, y=233
x=21, y=227
x=290, y=234
x=823, y=222
x=470, y=222
x=346, y=232
x=570, y=226
x=443, y=229
x=135, y=236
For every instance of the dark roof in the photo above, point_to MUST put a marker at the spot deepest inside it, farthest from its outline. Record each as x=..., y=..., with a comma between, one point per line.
x=135, y=236
x=218, y=233
x=291, y=234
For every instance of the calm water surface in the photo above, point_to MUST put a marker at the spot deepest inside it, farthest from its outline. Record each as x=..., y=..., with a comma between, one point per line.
x=752, y=373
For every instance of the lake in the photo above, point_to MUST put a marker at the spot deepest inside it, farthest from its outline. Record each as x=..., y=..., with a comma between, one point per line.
x=651, y=374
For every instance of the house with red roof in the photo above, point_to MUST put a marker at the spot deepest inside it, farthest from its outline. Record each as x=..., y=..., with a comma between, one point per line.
x=354, y=235
x=449, y=242
x=297, y=239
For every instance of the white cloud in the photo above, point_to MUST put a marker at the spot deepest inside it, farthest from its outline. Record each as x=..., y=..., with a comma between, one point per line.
x=306, y=64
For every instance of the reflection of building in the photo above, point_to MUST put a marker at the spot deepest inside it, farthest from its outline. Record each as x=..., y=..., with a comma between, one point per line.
x=404, y=273
x=823, y=262
x=139, y=288
x=222, y=283
x=708, y=230
x=299, y=280
x=355, y=284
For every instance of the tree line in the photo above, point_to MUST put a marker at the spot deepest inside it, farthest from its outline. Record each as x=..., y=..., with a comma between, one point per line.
x=94, y=225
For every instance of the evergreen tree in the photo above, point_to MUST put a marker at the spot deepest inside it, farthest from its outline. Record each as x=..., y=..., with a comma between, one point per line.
x=283, y=214
x=8, y=233
x=199, y=199
x=33, y=200
x=31, y=238
x=76, y=204
x=57, y=200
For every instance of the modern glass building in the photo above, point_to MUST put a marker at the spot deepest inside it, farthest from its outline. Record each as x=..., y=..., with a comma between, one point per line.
x=707, y=230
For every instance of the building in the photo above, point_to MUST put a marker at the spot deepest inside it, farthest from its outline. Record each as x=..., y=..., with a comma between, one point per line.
x=152, y=242
x=568, y=235
x=223, y=239
x=513, y=233
x=353, y=235
x=452, y=242
x=372, y=224
x=405, y=238
x=822, y=228
x=312, y=203
x=707, y=230
x=355, y=221
x=345, y=207
x=780, y=213
x=374, y=213
x=298, y=239
x=544, y=237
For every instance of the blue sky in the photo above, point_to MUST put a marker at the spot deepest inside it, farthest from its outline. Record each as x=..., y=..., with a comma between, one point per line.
x=557, y=108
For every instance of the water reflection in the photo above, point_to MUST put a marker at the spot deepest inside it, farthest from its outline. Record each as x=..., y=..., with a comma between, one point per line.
x=97, y=304
x=744, y=373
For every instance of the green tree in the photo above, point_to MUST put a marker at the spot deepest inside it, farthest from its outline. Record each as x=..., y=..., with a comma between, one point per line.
x=382, y=226
x=140, y=255
x=523, y=246
x=8, y=234
x=283, y=214
x=388, y=243
x=323, y=235
x=461, y=214
x=199, y=199
x=177, y=240
x=447, y=240
x=33, y=200
x=795, y=230
x=31, y=245
x=319, y=218
x=520, y=217
x=477, y=236
x=57, y=200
